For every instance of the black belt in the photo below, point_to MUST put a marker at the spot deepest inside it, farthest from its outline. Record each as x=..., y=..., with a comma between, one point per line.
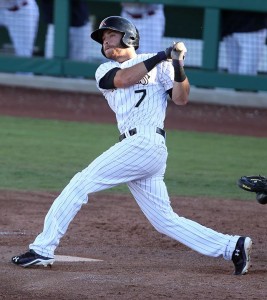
x=140, y=16
x=134, y=131
x=17, y=7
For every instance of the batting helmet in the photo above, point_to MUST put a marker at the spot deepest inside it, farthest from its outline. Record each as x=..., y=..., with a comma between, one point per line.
x=130, y=33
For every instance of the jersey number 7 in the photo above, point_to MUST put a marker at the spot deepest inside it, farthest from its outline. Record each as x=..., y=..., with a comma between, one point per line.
x=142, y=97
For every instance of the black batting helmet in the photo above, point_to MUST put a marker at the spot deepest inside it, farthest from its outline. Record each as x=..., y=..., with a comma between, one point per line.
x=130, y=33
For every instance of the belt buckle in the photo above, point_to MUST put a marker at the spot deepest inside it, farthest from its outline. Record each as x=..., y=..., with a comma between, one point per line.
x=151, y=13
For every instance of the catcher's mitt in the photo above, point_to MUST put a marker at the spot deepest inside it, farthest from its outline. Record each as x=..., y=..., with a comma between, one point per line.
x=256, y=184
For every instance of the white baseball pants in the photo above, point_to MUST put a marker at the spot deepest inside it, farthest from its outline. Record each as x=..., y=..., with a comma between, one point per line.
x=140, y=162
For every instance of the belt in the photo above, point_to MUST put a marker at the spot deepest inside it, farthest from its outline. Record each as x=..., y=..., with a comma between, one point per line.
x=141, y=16
x=134, y=131
x=17, y=7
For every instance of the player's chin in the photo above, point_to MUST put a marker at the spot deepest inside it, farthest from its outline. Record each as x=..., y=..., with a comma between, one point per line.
x=109, y=53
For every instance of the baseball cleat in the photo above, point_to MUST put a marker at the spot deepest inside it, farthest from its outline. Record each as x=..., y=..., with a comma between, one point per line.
x=241, y=255
x=31, y=258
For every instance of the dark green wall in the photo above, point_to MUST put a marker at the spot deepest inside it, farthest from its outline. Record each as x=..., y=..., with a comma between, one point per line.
x=184, y=22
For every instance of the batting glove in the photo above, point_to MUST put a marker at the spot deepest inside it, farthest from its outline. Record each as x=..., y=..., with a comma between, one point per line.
x=179, y=50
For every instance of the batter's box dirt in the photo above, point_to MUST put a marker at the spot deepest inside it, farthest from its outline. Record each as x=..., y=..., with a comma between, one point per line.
x=136, y=262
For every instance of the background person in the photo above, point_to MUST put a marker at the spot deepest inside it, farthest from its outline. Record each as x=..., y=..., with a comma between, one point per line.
x=20, y=17
x=80, y=29
x=150, y=21
x=244, y=35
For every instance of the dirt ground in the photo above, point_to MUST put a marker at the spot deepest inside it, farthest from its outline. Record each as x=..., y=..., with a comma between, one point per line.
x=136, y=262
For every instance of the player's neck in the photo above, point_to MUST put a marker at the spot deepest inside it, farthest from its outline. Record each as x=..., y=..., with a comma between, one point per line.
x=126, y=55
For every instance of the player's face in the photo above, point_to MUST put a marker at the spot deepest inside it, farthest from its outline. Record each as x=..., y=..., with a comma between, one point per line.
x=112, y=46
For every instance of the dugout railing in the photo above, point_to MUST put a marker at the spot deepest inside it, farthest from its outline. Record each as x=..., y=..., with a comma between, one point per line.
x=206, y=73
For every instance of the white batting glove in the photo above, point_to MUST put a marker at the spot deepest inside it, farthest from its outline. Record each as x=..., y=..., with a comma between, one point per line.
x=178, y=52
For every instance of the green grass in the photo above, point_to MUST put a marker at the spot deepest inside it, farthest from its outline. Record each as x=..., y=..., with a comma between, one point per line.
x=205, y=164
x=44, y=155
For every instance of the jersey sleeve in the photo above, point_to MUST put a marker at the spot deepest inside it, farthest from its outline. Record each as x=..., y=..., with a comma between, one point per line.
x=166, y=74
x=102, y=70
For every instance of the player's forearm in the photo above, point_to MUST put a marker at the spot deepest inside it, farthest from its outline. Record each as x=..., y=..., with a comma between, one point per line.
x=180, y=92
x=181, y=86
x=130, y=76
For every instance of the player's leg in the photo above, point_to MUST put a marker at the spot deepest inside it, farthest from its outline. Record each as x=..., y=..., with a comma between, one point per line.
x=232, y=50
x=124, y=162
x=23, y=28
x=153, y=199
x=252, y=47
x=3, y=17
x=49, y=41
x=79, y=48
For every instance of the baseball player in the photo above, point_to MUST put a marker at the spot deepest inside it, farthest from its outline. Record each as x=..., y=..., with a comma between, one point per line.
x=244, y=34
x=20, y=17
x=150, y=21
x=80, y=29
x=136, y=87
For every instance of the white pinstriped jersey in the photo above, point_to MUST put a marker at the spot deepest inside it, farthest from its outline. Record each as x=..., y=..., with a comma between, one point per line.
x=143, y=103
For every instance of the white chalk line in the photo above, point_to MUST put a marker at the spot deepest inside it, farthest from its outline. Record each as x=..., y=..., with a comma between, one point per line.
x=66, y=258
x=13, y=233
x=58, y=258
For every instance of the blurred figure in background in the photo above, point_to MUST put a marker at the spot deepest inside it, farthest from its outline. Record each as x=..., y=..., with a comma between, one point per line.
x=150, y=21
x=79, y=31
x=21, y=18
x=244, y=35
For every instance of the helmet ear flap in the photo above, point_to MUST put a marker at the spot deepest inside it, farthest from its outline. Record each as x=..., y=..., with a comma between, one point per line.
x=131, y=38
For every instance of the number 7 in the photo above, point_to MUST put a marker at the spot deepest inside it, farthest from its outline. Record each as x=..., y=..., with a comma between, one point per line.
x=142, y=97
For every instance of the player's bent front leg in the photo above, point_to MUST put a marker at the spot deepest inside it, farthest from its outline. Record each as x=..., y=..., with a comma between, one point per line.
x=117, y=165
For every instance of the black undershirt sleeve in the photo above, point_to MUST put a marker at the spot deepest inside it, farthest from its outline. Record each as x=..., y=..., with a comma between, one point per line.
x=107, y=81
x=170, y=92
